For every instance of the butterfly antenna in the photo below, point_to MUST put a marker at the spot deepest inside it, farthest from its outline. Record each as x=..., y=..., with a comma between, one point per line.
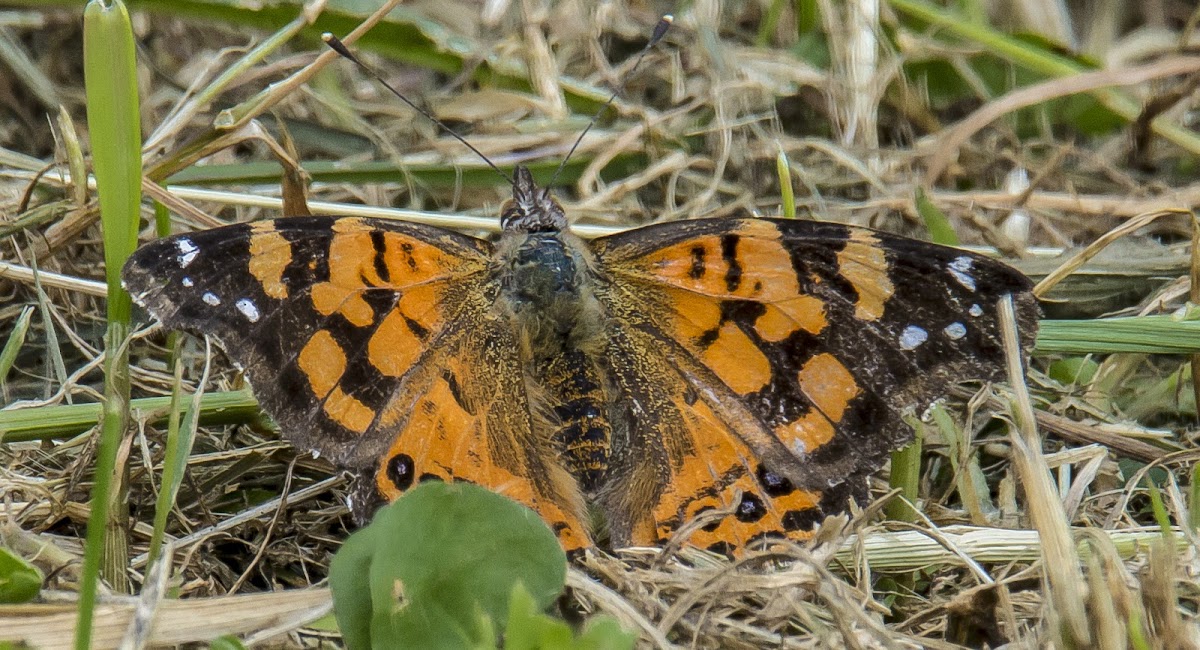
x=338, y=46
x=660, y=30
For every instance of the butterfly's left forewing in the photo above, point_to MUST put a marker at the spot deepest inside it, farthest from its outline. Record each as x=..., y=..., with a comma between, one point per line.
x=327, y=316
x=795, y=347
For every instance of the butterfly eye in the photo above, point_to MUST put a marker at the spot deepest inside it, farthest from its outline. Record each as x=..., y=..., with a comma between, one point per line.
x=510, y=211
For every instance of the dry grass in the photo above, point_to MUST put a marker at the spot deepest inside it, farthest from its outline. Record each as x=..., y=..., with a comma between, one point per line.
x=700, y=127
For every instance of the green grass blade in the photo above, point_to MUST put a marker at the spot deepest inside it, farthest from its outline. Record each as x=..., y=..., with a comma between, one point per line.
x=1158, y=507
x=1142, y=334
x=787, y=195
x=110, y=77
x=1193, y=502
x=1002, y=45
x=16, y=339
x=906, y=476
x=936, y=221
x=181, y=433
x=66, y=420
x=114, y=124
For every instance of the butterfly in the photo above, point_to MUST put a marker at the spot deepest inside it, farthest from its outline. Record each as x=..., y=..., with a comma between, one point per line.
x=760, y=367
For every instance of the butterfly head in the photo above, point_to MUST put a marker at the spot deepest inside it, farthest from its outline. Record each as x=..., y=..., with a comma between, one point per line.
x=531, y=208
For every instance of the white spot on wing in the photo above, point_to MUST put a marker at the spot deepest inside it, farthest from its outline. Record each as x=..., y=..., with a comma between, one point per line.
x=799, y=448
x=187, y=251
x=955, y=330
x=912, y=336
x=210, y=298
x=975, y=311
x=186, y=281
x=248, y=309
x=960, y=268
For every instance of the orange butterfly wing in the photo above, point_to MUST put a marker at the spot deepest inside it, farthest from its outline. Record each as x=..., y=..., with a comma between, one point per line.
x=365, y=340
x=770, y=361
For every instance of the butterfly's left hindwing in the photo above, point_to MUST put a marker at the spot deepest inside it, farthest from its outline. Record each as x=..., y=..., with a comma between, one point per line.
x=795, y=347
x=465, y=415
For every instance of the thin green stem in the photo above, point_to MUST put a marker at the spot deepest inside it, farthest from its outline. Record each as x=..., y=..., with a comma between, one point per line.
x=110, y=78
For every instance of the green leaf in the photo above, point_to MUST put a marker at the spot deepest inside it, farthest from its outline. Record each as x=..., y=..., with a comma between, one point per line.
x=351, y=592
x=227, y=642
x=940, y=230
x=437, y=568
x=427, y=626
x=604, y=633
x=20, y=581
x=530, y=629
x=1073, y=370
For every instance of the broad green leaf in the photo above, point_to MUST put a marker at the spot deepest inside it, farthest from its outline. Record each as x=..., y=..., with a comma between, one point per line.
x=604, y=633
x=530, y=629
x=351, y=592
x=20, y=581
x=437, y=569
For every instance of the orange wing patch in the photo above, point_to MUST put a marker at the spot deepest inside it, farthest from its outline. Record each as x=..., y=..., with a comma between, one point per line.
x=270, y=254
x=403, y=334
x=469, y=424
x=362, y=257
x=746, y=262
x=719, y=472
x=831, y=387
x=723, y=346
x=323, y=362
x=784, y=318
x=394, y=347
x=863, y=264
x=828, y=384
